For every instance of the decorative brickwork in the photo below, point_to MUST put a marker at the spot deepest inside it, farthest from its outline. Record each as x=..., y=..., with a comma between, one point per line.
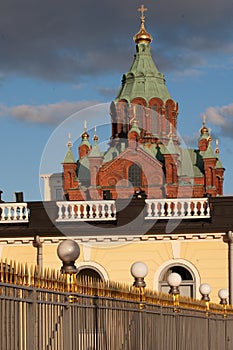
x=144, y=134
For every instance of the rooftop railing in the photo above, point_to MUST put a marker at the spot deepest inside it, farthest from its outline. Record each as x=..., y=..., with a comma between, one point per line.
x=177, y=208
x=104, y=210
x=14, y=213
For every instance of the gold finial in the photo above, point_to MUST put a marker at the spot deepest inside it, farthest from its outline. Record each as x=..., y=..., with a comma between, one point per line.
x=85, y=135
x=210, y=138
x=69, y=143
x=95, y=138
x=142, y=35
x=216, y=149
x=204, y=129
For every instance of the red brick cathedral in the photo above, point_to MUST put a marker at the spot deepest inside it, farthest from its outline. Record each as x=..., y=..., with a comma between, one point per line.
x=144, y=154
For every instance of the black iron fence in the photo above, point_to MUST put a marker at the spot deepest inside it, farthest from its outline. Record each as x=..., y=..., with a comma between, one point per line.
x=47, y=310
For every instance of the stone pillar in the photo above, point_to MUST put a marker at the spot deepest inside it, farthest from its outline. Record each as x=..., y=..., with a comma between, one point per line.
x=230, y=265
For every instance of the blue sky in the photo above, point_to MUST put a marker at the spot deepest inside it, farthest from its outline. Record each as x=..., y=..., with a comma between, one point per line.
x=60, y=57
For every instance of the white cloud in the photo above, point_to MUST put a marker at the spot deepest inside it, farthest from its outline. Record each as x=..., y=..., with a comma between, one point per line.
x=45, y=114
x=222, y=117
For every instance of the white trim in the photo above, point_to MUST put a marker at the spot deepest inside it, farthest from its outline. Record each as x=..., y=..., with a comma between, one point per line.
x=95, y=266
x=181, y=262
x=195, y=237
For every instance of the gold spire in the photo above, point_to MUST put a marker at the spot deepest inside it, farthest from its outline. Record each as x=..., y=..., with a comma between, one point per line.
x=69, y=143
x=216, y=149
x=142, y=35
x=85, y=135
x=204, y=129
x=95, y=138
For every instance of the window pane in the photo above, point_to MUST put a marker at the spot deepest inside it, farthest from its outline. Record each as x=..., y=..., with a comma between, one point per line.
x=135, y=175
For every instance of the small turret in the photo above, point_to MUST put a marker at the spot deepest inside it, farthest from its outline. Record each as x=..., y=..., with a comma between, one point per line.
x=69, y=169
x=95, y=162
x=85, y=145
x=69, y=158
x=205, y=137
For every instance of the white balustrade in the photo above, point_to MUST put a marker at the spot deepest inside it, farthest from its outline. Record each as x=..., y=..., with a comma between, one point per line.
x=103, y=210
x=177, y=208
x=13, y=213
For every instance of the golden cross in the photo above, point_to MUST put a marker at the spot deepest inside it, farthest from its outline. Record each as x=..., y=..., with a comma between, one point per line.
x=142, y=9
x=204, y=119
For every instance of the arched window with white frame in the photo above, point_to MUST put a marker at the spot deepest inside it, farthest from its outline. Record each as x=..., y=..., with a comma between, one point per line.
x=190, y=279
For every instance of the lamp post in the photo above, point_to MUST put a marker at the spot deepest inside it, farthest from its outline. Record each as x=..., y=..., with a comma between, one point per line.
x=139, y=270
x=223, y=295
x=174, y=280
x=205, y=290
x=68, y=251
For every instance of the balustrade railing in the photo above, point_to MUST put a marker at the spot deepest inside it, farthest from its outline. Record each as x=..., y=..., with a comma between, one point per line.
x=178, y=208
x=103, y=210
x=14, y=213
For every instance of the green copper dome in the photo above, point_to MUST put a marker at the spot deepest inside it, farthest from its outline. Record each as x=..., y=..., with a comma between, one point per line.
x=143, y=79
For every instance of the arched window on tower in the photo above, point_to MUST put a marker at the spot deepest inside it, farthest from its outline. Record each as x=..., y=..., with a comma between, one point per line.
x=187, y=287
x=155, y=119
x=167, y=120
x=135, y=175
x=139, y=115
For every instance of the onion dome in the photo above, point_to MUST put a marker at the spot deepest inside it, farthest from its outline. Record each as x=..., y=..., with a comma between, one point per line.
x=85, y=135
x=204, y=130
x=142, y=35
x=95, y=137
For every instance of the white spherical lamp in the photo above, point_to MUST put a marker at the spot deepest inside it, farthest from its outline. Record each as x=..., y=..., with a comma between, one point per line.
x=174, y=280
x=223, y=295
x=68, y=251
x=205, y=290
x=139, y=270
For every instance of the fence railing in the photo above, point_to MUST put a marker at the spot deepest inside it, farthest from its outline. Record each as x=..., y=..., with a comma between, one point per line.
x=177, y=208
x=14, y=213
x=103, y=210
x=43, y=310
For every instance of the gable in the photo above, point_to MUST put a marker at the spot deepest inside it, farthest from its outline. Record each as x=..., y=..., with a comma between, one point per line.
x=118, y=169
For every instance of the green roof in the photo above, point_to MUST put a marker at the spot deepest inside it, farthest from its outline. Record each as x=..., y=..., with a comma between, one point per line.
x=110, y=154
x=209, y=153
x=190, y=163
x=170, y=148
x=69, y=158
x=219, y=163
x=143, y=79
x=95, y=152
